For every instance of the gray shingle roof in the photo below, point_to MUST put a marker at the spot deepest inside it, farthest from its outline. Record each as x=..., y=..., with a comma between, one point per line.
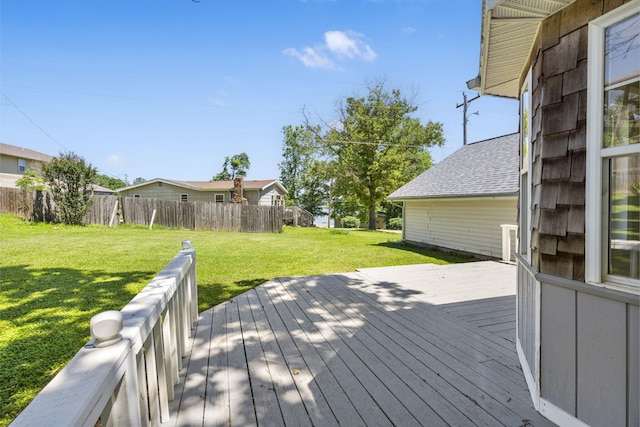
x=484, y=168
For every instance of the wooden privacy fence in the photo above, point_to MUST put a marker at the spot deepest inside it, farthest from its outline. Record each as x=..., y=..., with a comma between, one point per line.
x=126, y=374
x=111, y=210
x=39, y=206
x=202, y=215
x=296, y=216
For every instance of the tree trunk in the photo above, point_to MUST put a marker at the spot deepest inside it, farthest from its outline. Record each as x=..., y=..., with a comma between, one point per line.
x=372, y=216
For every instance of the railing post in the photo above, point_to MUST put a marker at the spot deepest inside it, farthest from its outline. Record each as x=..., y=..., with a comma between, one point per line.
x=506, y=240
x=125, y=375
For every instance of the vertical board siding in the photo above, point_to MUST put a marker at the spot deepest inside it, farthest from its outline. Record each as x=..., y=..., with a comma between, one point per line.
x=633, y=362
x=602, y=360
x=558, y=346
x=526, y=292
x=589, y=355
x=465, y=225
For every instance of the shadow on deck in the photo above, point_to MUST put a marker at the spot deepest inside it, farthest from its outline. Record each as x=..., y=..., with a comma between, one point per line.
x=415, y=345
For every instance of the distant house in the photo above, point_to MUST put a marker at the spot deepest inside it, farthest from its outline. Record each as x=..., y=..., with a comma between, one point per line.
x=266, y=192
x=461, y=202
x=575, y=67
x=15, y=161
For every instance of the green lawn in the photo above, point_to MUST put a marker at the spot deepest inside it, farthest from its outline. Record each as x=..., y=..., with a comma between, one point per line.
x=54, y=278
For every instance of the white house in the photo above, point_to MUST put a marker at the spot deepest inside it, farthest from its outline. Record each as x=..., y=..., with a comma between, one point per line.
x=461, y=202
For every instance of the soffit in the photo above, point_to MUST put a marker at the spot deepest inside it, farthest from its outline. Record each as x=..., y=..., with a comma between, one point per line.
x=509, y=28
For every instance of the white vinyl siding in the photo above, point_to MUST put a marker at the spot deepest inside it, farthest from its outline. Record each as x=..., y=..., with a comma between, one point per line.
x=465, y=225
x=266, y=199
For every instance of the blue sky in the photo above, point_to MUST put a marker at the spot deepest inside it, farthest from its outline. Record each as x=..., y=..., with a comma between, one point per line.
x=168, y=88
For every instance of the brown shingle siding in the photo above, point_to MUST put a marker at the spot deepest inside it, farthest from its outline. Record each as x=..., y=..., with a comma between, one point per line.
x=560, y=117
x=576, y=220
x=554, y=221
x=554, y=145
x=578, y=14
x=572, y=244
x=578, y=166
x=561, y=57
x=557, y=168
x=578, y=137
x=575, y=80
x=552, y=90
x=559, y=62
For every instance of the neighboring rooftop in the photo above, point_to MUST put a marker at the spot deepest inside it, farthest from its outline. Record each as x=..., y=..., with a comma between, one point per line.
x=248, y=184
x=24, y=153
x=484, y=168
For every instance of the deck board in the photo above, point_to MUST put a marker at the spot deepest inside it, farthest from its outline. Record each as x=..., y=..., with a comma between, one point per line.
x=414, y=345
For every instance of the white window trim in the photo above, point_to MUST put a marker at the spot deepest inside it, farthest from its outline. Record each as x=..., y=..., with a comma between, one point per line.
x=527, y=167
x=184, y=197
x=215, y=197
x=595, y=210
x=22, y=165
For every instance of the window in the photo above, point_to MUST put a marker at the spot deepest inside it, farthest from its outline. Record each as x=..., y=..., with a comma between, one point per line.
x=184, y=198
x=525, y=167
x=22, y=165
x=277, y=200
x=613, y=150
x=136, y=196
x=219, y=198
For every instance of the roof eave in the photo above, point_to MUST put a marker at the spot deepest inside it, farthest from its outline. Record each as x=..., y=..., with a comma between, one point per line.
x=508, y=32
x=454, y=196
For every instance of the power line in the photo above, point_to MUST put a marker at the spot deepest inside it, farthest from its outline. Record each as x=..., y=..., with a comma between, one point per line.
x=13, y=104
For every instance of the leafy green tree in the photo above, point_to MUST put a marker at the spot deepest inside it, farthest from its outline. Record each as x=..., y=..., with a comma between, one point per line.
x=71, y=181
x=297, y=154
x=110, y=182
x=239, y=165
x=31, y=180
x=377, y=145
x=138, y=180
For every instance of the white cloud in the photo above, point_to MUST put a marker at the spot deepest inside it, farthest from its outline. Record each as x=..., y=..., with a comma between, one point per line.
x=408, y=30
x=311, y=57
x=338, y=45
x=349, y=45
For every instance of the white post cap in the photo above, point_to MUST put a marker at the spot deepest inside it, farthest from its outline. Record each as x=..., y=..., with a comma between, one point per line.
x=105, y=328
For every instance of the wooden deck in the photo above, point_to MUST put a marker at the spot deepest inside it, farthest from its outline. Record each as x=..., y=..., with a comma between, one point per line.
x=405, y=346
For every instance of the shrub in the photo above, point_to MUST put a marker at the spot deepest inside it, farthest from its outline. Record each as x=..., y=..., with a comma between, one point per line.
x=395, y=224
x=350, y=222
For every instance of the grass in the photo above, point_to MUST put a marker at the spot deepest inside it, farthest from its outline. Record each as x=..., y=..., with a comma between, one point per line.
x=54, y=278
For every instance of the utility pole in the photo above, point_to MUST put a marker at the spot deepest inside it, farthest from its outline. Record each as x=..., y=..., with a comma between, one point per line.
x=465, y=117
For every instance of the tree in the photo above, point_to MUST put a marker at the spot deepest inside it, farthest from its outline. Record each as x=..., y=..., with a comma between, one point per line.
x=306, y=172
x=29, y=182
x=239, y=164
x=377, y=145
x=138, y=180
x=71, y=181
x=110, y=182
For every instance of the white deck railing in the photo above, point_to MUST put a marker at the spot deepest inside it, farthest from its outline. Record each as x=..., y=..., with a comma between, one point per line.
x=126, y=374
x=506, y=240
